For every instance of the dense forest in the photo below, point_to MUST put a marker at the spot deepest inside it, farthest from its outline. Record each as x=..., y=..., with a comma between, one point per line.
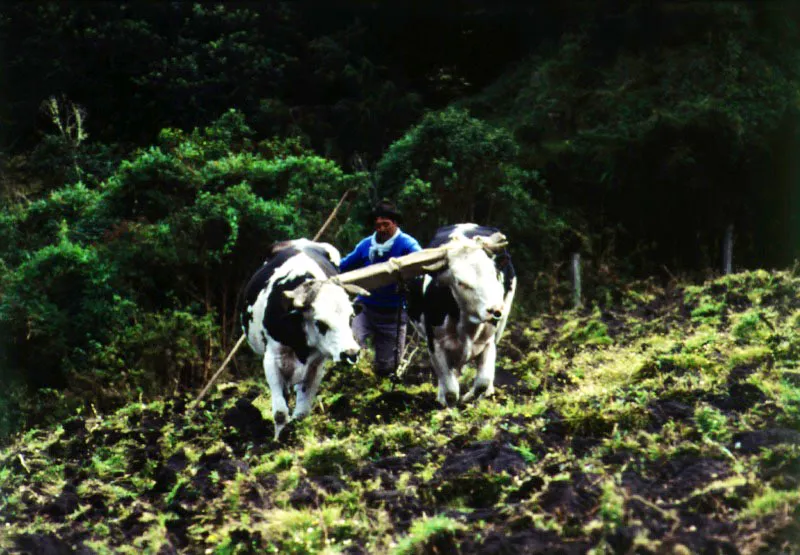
x=151, y=151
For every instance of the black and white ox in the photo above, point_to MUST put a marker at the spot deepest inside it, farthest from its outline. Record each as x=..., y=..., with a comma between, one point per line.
x=464, y=309
x=296, y=317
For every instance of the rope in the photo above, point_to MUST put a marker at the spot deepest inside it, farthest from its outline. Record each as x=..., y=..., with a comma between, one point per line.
x=403, y=288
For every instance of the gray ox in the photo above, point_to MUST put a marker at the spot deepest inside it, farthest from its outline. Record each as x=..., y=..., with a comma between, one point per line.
x=464, y=309
x=296, y=317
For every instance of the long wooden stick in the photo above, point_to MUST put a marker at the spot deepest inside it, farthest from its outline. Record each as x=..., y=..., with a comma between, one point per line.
x=346, y=194
x=410, y=265
x=242, y=338
x=218, y=372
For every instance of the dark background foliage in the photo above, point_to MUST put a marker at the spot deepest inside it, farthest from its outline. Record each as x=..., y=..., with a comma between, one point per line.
x=151, y=151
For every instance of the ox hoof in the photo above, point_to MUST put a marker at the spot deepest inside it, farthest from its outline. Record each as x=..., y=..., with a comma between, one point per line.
x=300, y=415
x=451, y=398
x=479, y=391
x=280, y=418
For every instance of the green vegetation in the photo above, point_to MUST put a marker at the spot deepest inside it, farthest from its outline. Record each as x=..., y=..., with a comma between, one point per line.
x=130, y=287
x=671, y=425
x=426, y=533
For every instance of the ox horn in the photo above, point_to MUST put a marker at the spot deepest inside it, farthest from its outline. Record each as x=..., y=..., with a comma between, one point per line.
x=296, y=297
x=351, y=288
x=303, y=295
x=436, y=266
x=354, y=289
x=493, y=243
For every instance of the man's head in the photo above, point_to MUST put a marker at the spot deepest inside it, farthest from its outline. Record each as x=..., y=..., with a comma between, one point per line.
x=385, y=219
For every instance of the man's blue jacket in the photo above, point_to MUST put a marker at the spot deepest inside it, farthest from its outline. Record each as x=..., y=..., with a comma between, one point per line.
x=387, y=296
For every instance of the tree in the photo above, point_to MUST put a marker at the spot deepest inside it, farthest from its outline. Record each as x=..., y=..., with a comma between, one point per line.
x=130, y=287
x=453, y=168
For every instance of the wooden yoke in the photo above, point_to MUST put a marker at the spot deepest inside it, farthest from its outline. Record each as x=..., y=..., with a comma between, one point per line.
x=412, y=265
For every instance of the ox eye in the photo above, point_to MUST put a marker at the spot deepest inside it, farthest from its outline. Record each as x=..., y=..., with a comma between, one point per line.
x=322, y=327
x=463, y=285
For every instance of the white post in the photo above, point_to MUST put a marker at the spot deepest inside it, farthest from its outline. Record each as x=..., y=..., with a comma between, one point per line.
x=727, y=251
x=576, y=279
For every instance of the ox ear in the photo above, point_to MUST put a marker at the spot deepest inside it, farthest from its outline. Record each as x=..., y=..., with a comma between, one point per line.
x=354, y=289
x=301, y=296
x=493, y=243
x=294, y=298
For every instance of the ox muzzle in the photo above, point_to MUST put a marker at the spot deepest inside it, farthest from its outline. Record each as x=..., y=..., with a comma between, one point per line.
x=351, y=356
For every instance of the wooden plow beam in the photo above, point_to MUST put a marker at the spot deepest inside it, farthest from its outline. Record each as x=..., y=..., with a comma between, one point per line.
x=412, y=265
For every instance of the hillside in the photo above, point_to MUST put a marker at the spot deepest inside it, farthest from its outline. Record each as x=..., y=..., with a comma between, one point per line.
x=670, y=423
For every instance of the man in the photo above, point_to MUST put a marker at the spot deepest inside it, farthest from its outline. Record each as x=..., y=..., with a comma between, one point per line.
x=383, y=315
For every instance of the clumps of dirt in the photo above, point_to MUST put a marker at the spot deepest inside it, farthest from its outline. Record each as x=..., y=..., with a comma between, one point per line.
x=75, y=427
x=668, y=410
x=755, y=441
x=741, y=372
x=213, y=469
x=740, y=397
x=312, y=492
x=386, y=407
x=387, y=470
x=526, y=489
x=140, y=457
x=674, y=503
x=511, y=385
x=247, y=422
x=45, y=544
x=573, y=499
x=674, y=479
x=64, y=504
x=416, y=456
x=525, y=542
x=713, y=539
x=485, y=456
x=475, y=474
x=515, y=336
x=558, y=381
x=391, y=403
x=166, y=473
x=616, y=327
x=401, y=506
x=304, y=495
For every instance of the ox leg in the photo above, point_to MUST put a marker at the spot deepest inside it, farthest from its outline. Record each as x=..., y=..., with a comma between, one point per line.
x=448, y=383
x=307, y=389
x=483, y=386
x=272, y=370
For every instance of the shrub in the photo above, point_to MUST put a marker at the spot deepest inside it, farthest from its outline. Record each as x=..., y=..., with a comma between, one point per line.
x=453, y=168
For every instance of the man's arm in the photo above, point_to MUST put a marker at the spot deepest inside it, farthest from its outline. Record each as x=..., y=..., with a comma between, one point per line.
x=410, y=245
x=354, y=260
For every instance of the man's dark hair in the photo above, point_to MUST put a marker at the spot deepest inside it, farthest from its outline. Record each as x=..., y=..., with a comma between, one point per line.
x=385, y=209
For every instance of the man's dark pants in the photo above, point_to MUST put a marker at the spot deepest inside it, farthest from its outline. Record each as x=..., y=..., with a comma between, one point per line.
x=388, y=338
